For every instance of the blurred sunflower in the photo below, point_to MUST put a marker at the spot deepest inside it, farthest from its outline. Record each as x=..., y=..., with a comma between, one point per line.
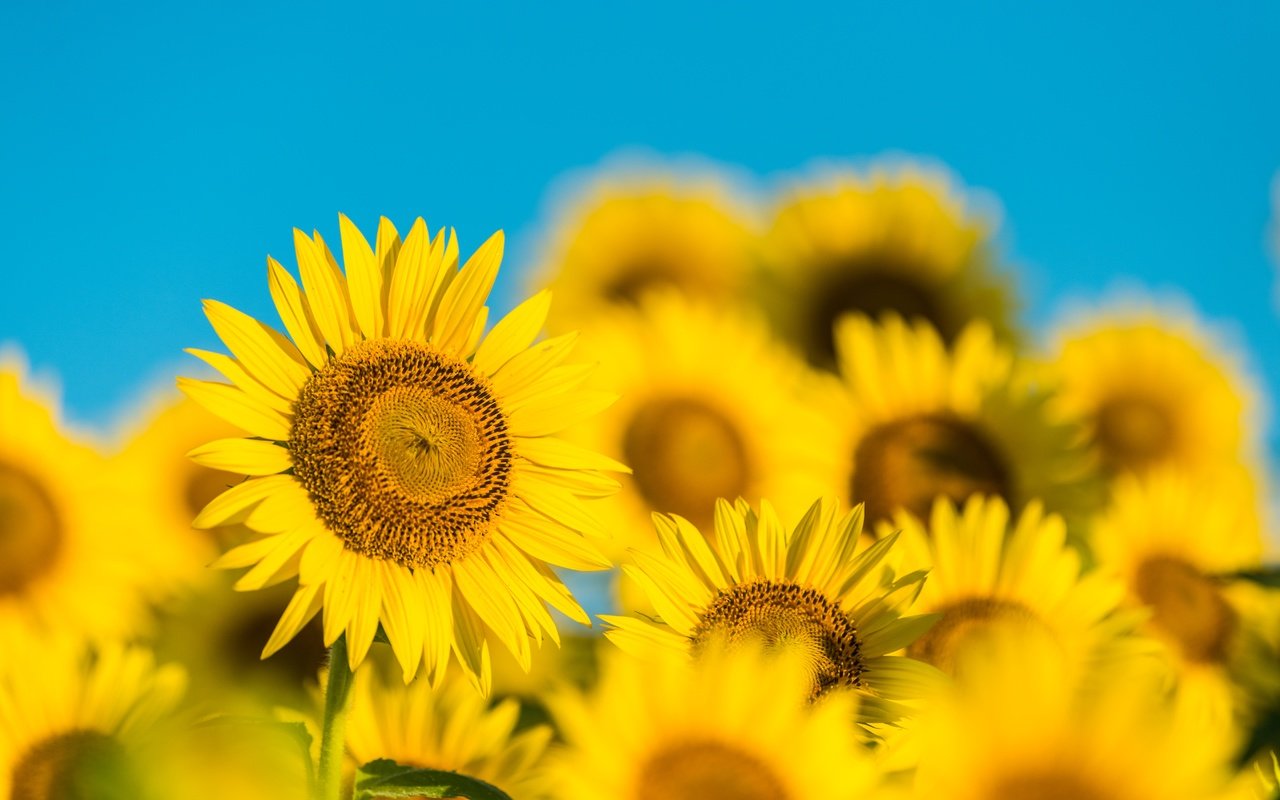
x=451, y=727
x=1172, y=539
x=985, y=574
x=885, y=243
x=809, y=590
x=732, y=726
x=1152, y=392
x=400, y=467
x=710, y=407
x=1024, y=727
x=626, y=236
x=70, y=718
x=67, y=534
x=922, y=422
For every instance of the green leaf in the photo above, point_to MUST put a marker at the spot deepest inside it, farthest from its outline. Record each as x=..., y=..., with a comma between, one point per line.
x=385, y=778
x=1268, y=576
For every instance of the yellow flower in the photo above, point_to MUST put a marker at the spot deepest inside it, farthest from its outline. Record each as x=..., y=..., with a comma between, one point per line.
x=71, y=558
x=1023, y=726
x=889, y=242
x=810, y=590
x=923, y=421
x=709, y=408
x=451, y=727
x=1168, y=536
x=401, y=468
x=987, y=574
x=623, y=237
x=70, y=718
x=732, y=726
x=1153, y=392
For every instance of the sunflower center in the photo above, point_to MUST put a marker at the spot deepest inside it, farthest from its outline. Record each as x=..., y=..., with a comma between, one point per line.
x=874, y=288
x=708, y=770
x=405, y=452
x=30, y=529
x=71, y=765
x=908, y=463
x=637, y=278
x=786, y=615
x=685, y=455
x=966, y=621
x=1187, y=606
x=1046, y=786
x=1133, y=432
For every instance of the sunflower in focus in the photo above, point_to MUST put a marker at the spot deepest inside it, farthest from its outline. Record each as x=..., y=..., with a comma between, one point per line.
x=625, y=237
x=401, y=465
x=732, y=726
x=986, y=574
x=1153, y=392
x=67, y=533
x=449, y=727
x=1024, y=727
x=885, y=243
x=809, y=590
x=1172, y=539
x=709, y=407
x=71, y=717
x=923, y=421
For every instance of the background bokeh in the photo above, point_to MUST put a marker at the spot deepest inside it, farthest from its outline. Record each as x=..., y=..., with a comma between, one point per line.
x=153, y=154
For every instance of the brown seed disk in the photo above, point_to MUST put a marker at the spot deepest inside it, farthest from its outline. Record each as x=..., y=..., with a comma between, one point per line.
x=707, y=770
x=31, y=530
x=405, y=452
x=963, y=621
x=64, y=765
x=1133, y=432
x=1188, y=606
x=786, y=615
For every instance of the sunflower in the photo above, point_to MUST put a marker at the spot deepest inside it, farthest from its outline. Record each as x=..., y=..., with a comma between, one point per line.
x=986, y=574
x=1153, y=391
x=710, y=407
x=889, y=242
x=71, y=718
x=624, y=236
x=1024, y=726
x=67, y=538
x=155, y=459
x=1172, y=539
x=924, y=421
x=401, y=468
x=449, y=727
x=808, y=590
x=732, y=726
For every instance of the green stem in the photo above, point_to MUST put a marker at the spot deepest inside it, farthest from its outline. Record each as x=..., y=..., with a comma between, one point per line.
x=337, y=702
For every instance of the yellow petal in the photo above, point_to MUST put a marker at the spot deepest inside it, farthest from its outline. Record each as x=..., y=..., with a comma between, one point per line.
x=554, y=544
x=245, y=456
x=470, y=645
x=274, y=566
x=320, y=560
x=559, y=454
x=466, y=295
x=326, y=292
x=543, y=582
x=387, y=250
x=364, y=278
x=265, y=354
x=364, y=619
x=302, y=608
x=295, y=313
x=486, y=595
x=436, y=619
x=553, y=413
x=399, y=594
x=233, y=371
x=417, y=270
x=530, y=364
x=237, y=407
x=340, y=596
x=234, y=504
x=513, y=333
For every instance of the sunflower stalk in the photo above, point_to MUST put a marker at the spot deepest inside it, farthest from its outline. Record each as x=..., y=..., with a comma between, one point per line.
x=337, y=704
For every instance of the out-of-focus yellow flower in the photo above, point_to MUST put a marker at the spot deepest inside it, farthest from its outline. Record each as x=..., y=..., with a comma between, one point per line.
x=1022, y=725
x=451, y=727
x=625, y=237
x=809, y=590
x=71, y=717
x=987, y=575
x=401, y=465
x=71, y=557
x=923, y=422
x=1153, y=392
x=884, y=243
x=1168, y=536
x=709, y=407
x=732, y=725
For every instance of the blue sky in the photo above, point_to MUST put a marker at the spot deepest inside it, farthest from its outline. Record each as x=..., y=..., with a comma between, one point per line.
x=154, y=155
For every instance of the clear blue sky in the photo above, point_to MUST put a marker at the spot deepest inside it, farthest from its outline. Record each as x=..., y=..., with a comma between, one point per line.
x=154, y=155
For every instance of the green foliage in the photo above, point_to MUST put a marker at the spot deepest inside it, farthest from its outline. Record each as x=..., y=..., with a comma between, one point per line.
x=385, y=778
